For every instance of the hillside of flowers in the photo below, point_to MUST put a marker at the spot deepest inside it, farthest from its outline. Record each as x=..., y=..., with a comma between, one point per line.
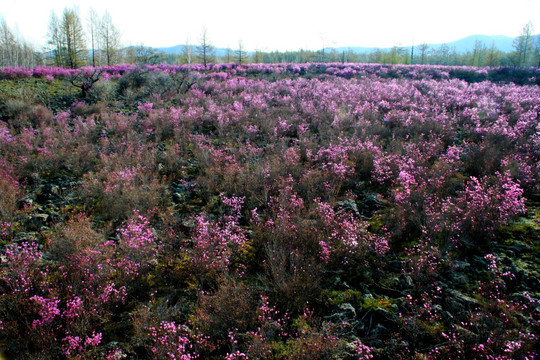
x=290, y=211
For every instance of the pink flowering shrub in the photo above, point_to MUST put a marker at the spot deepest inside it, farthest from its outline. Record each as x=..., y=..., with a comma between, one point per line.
x=301, y=241
x=76, y=347
x=305, y=338
x=216, y=243
x=237, y=355
x=344, y=233
x=291, y=250
x=477, y=210
x=67, y=300
x=257, y=211
x=135, y=252
x=486, y=331
x=170, y=342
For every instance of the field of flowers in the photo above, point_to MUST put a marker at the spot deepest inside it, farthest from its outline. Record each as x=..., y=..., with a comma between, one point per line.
x=291, y=211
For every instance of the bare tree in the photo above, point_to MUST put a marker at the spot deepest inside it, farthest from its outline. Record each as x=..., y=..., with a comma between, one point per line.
x=26, y=57
x=55, y=40
x=14, y=50
x=93, y=26
x=228, y=55
x=205, y=50
x=240, y=53
x=323, y=53
x=109, y=39
x=187, y=52
x=7, y=44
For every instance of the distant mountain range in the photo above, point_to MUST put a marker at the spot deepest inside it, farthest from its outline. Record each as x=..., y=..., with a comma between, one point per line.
x=177, y=49
x=501, y=42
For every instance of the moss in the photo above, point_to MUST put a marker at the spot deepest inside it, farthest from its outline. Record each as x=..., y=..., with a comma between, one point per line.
x=247, y=253
x=378, y=302
x=177, y=270
x=519, y=229
x=376, y=223
x=431, y=327
x=310, y=345
x=337, y=297
x=525, y=229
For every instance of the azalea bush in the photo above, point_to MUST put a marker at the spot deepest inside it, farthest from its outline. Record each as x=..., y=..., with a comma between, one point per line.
x=286, y=211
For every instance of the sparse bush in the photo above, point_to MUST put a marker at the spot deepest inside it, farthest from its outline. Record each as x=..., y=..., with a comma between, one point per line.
x=10, y=192
x=72, y=237
x=228, y=310
x=114, y=194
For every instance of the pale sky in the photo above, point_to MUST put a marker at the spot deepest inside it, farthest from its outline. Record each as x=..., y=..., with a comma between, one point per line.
x=285, y=24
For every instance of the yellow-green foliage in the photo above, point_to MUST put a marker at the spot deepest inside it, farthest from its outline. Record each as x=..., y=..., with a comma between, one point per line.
x=524, y=229
x=247, y=252
x=376, y=223
x=379, y=302
x=336, y=297
x=432, y=327
x=36, y=90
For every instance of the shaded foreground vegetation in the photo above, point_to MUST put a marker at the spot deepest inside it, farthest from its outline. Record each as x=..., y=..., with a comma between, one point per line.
x=308, y=211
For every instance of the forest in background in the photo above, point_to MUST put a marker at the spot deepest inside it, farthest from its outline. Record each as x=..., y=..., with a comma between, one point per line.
x=96, y=41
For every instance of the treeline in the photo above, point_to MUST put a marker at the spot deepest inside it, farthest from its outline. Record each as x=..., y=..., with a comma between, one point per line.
x=526, y=53
x=69, y=43
x=72, y=45
x=423, y=54
x=15, y=51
